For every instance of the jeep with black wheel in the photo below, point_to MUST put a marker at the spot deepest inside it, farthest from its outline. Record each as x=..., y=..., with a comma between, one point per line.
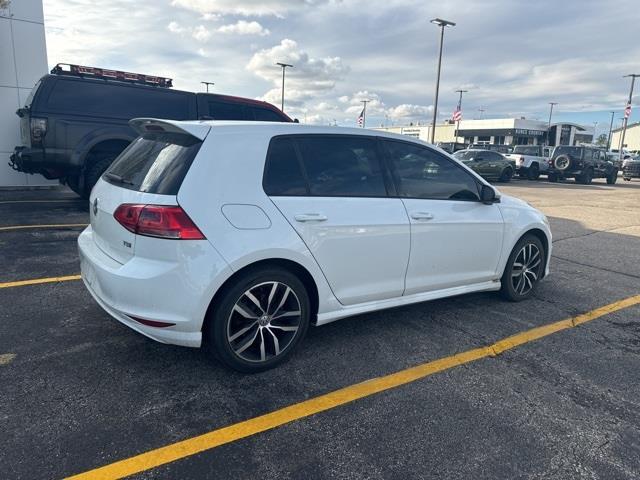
x=582, y=164
x=75, y=121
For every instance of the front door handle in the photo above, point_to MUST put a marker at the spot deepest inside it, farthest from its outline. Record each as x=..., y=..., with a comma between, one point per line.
x=310, y=217
x=422, y=216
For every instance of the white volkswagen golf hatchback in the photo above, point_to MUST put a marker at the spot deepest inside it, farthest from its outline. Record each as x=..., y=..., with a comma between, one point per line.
x=239, y=235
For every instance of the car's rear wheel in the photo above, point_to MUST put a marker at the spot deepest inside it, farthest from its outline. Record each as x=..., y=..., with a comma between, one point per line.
x=506, y=175
x=259, y=320
x=612, y=178
x=97, y=166
x=524, y=269
x=534, y=172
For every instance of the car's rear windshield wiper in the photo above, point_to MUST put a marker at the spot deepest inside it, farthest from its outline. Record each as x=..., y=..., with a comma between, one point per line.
x=118, y=178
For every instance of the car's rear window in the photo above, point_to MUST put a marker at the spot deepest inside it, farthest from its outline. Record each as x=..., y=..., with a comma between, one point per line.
x=526, y=150
x=154, y=163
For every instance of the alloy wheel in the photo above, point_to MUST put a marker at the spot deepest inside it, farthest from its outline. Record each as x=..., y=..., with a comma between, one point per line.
x=264, y=321
x=526, y=269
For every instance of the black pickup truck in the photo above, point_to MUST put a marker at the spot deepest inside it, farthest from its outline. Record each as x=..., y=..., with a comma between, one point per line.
x=75, y=121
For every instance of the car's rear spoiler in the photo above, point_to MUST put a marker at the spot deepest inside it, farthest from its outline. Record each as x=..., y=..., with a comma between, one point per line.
x=148, y=125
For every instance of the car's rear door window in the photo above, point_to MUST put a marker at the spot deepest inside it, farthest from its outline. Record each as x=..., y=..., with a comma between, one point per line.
x=261, y=114
x=342, y=165
x=283, y=174
x=227, y=111
x=154, y=163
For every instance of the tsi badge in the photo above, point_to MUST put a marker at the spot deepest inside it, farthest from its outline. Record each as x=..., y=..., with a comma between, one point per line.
x=95, y=207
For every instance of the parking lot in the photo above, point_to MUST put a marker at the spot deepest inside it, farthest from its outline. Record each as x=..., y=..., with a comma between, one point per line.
x=79, y=391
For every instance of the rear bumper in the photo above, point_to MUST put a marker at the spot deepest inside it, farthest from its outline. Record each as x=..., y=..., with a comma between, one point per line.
x=51, y=163
x=176, y=292
x=28, y=160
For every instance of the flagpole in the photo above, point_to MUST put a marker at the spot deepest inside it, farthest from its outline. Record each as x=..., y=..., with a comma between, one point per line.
x=459, y=114
x=364, y=112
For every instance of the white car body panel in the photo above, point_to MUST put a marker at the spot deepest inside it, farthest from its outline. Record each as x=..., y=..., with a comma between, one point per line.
x=359, y=258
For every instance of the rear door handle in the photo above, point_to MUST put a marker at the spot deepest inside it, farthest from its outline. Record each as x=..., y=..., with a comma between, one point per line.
x=422, y=216
x=310, y=217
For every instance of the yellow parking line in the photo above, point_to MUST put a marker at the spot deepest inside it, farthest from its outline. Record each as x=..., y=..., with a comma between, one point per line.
x=231, y=433
x=24, y=227
x=37, y=281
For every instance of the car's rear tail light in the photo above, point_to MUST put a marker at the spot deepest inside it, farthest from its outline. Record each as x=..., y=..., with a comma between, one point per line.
x=38, y=129
x=161, y=221
x=522, y=159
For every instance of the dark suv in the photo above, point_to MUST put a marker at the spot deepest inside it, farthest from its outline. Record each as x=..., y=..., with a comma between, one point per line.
x=75, y=121
x=581, y=163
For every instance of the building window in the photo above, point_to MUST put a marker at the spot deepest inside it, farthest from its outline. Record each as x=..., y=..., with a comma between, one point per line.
x=498, y=140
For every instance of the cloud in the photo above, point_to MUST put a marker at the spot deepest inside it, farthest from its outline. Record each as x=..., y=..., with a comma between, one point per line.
x=407, y=111
x=309, y=77
x=246, y=7
x=242, y=27
x=174, y=27
x=201, y=33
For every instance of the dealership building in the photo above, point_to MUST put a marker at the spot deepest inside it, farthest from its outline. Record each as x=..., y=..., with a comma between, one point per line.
x=23, y=60
x=503, y=131
x=631, y=137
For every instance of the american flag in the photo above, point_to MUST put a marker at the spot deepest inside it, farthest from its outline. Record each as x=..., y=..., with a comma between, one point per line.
x=627, y=110
x=457, y=114
x=361, y=118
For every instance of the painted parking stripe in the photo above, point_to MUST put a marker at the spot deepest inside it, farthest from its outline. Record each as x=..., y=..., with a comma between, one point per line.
x=26, y=227
x=277, y=418
x=38, y=281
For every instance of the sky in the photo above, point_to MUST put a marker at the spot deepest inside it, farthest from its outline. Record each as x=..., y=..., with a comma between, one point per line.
x=513, y=56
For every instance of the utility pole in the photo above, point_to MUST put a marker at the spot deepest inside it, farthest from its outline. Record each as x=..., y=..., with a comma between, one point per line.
x=460, y=112
x=549, y=122
x=442, y=24
x=627, y=111
x=481, y=110
x=595, y=126
x=284, y=67
x=610, y=130
x=207, y=84
x=364, y=112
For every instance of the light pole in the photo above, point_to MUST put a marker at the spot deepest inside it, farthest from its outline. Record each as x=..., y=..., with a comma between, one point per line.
x=627, y=111
x=610, y=129
x=459, y=110
x=549, y=122
x=481, y=110
x=284, y=67
x=595, y=126
x=442, y=24
x=207, y=84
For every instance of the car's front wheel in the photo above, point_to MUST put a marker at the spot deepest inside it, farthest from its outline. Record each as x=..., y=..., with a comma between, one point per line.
x=506, y=175
x=612, y=177
x=259, y=320
x=524, y=269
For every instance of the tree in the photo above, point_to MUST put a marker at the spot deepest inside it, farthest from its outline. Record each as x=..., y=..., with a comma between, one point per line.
x=602, y=139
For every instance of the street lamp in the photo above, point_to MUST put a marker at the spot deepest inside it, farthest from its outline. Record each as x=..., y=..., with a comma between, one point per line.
x=627, y=111
x=207, y=84
x=549, y=122
x=610, y=129
x=442, y=24
x=284, y=67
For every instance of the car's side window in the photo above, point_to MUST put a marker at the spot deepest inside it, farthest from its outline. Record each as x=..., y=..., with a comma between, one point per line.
x=227, y=111
x=283, y=175
x=420, y=172
x=342, y=165
x=265, y=115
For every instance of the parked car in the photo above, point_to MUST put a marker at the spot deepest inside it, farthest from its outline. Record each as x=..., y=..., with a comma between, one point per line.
x=531, y=160
x=488, y=164
x=493, y=147
x=242, y=235
x=581, y=163
x=451, y=147
x=631, y=168
x=75, y=121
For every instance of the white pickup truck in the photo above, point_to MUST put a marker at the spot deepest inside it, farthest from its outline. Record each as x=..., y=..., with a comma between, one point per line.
x=531, y=160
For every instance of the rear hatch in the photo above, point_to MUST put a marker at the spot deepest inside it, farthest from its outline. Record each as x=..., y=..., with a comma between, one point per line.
x=149, y=171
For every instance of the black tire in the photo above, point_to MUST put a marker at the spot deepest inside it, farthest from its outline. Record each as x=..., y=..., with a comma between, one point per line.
x=222, y=318
x=553, y=177
x=506, y=175
x=508, y=289
x=626, y=179
x=73, y=183
x=612, y=178
x=586, y=178
x=96, y=167
x=533, y=173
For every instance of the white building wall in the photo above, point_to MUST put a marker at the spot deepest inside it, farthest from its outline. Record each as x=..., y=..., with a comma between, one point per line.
x=23, y=60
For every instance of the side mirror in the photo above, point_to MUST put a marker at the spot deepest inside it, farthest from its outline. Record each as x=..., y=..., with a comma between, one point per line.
x=488, y=195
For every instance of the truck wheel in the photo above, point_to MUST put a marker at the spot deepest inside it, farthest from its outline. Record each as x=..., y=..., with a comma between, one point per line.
x=613, y=177
x=534, y=172
x=73, y=183
x=97, y=166
x=585, y=178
